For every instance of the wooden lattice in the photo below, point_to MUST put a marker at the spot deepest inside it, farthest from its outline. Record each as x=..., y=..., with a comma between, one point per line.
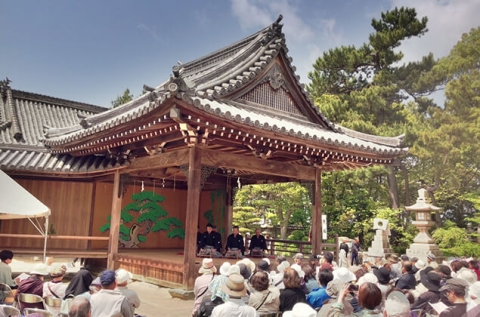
x=279, y=99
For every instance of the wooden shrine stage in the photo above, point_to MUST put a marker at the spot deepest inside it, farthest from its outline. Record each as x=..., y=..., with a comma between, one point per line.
x=162, y=267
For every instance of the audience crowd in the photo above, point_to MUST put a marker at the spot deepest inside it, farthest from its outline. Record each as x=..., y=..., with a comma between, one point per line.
x=318, y=286
x=392, y=287
x=84, y=296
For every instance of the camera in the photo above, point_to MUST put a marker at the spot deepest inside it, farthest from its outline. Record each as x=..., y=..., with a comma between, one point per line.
x=353, y=288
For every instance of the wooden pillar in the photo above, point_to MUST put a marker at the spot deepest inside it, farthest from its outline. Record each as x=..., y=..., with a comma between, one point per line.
x=229, y=212
x=317, y=214
x=191, y=222
x=114, y=221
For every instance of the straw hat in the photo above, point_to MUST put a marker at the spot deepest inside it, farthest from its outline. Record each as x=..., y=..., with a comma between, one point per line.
x=234, y=286
x=58, y=271
x=40, y=269
x=233, y=269
x=207, y=266
x=248, y=263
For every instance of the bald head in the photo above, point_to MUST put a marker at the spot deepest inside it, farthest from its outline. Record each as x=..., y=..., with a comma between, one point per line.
x=79, y=307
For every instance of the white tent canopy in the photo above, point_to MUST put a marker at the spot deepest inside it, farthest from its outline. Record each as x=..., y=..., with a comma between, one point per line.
x=18, y=203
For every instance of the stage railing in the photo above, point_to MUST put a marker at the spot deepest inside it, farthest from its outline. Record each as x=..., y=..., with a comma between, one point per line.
x=290, y=247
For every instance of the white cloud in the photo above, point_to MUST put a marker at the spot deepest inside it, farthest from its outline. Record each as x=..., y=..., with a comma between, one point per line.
x=447, y=21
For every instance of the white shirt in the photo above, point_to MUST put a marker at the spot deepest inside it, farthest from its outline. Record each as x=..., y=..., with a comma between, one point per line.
x=110, y=303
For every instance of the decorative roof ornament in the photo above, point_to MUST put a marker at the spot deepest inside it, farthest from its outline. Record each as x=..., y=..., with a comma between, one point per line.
x=276, y=79
x=179, y=84
x=275, y=30
x=4, y=86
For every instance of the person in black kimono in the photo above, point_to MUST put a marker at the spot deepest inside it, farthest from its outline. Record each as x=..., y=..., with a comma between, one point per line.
x=235, y=242
x=258, y=243
x=211, y=241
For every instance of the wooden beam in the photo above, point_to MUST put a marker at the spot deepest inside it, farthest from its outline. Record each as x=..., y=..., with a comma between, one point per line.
x=160, y=160
x=257, y=165
x=229, y=210
x=317, y=214
x=114, y=222
x=191, y=218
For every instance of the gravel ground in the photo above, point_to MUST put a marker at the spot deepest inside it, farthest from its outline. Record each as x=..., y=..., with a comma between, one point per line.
x=155, y=301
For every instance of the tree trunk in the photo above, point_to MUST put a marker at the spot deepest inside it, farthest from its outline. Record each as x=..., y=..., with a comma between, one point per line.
x=392, y=188
x=431, y=190
x=283, y=231
x=407, y=195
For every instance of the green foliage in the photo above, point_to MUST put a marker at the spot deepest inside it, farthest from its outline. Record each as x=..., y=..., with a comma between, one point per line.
x=147, y=204
x=281, y=199
x=450, y=237
x=246, y=219
x=123, y=99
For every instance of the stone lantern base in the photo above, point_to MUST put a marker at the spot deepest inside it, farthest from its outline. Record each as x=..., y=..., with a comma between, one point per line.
x=421, y=250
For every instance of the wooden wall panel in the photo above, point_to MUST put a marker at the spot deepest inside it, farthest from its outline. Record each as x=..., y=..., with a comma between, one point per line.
x=174, y=203
x=70, y=203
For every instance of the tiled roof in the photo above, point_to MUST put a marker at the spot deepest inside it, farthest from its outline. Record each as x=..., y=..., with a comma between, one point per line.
x=304, y=130
x=44, y=162
x=23, y=118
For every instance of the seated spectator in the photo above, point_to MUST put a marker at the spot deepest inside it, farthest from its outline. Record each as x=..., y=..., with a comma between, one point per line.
x=314, y=262
x=319, y=295
x=327, y=261
x=215, y=288
x=333, y=289
x=6, y=257
x=33, y=285
x=55, y=288
x=265, y=298
x=277, y=278
x=407, y=280
x=80, y=307
x=473, y=265
x=123, y=278
x=431, y=281
x=310, y=281
x=298, y=258
x=80, y=283
x=301, y=273
x=369, y=297
x=108, y=301
x=292, y=293
x=200, y=289
x=235, y=288
x=454, y=290
x=383, y=277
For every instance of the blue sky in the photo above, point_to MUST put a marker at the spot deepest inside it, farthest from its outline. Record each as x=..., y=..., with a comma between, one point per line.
x=91, y=50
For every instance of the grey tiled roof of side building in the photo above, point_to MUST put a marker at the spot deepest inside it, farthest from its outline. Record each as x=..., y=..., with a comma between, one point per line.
x=34, y=112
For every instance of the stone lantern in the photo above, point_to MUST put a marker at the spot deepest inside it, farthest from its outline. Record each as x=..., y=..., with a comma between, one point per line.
x=423, y=244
